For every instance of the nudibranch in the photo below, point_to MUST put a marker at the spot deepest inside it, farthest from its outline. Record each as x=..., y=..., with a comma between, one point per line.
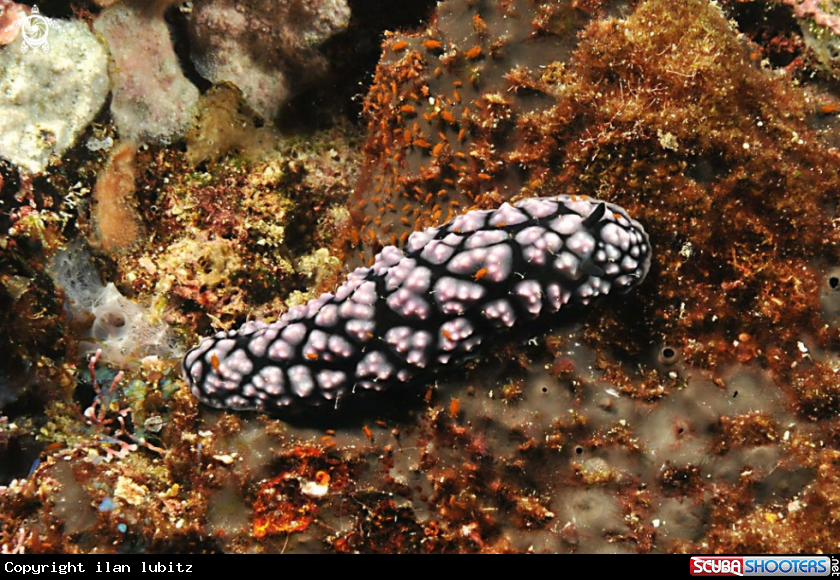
x=428, y=307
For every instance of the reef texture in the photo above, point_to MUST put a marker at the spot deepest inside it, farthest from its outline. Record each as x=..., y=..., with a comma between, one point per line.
x=698, y=413
x=47, y=98
x=455, y=287
x=152, y=100
x=267, y=48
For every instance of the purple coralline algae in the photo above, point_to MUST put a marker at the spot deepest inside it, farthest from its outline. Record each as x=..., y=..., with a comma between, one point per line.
x=431, y=306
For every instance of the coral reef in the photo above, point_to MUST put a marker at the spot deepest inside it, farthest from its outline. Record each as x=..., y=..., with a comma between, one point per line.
x=225, y=125
x=822, y=13
x=698, y=413
x=820, y=23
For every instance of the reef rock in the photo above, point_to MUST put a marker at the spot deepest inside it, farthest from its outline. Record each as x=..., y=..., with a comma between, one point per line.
x=47, y=97
x=267, y=48
x=153, y=100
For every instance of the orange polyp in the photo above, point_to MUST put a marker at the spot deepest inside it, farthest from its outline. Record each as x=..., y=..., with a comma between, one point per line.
x=454, y=408
x=322, y=477
x=474, y=53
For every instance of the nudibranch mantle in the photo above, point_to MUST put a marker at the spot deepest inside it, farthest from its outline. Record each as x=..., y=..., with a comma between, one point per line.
x=428, y=307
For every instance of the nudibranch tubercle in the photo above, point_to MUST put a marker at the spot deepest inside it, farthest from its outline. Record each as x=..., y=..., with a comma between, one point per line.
x=430, y=306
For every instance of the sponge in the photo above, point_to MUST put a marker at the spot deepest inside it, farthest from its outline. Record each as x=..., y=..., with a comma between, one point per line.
x=125, y=330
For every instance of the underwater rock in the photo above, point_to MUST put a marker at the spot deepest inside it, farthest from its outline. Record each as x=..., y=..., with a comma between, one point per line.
x=48, y=98
x=267, y=48
x=152, y=99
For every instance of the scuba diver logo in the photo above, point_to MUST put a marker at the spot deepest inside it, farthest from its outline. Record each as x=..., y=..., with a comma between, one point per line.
x=35, y=28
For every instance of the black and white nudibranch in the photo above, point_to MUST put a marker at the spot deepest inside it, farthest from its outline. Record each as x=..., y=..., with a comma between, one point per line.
x=428, y=307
